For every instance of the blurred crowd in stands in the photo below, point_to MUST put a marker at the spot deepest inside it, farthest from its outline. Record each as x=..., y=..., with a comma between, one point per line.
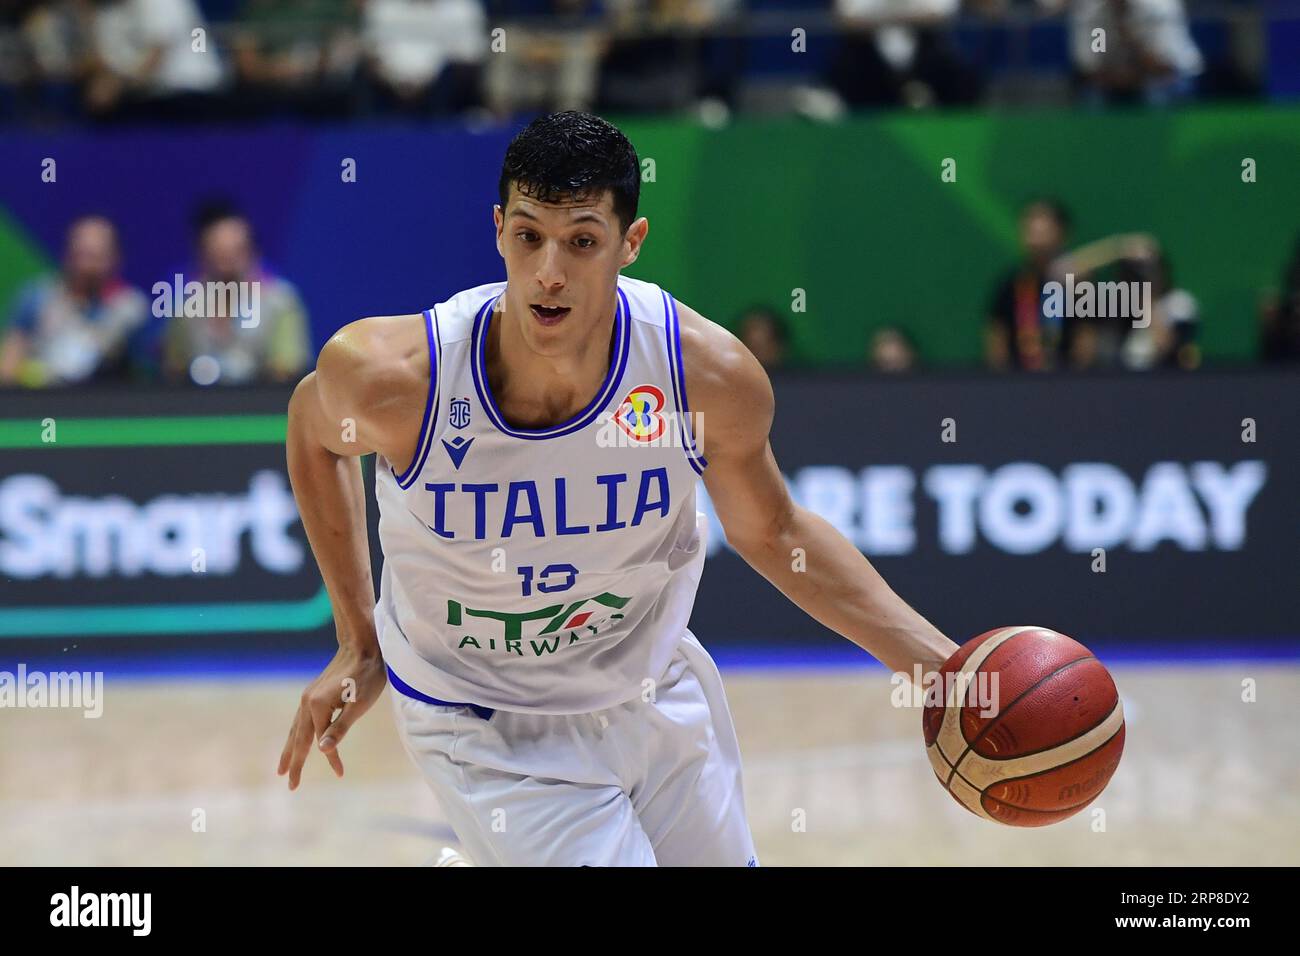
x=85, y=323
x=117, y=60
x=244, y=326
x=1028, y=329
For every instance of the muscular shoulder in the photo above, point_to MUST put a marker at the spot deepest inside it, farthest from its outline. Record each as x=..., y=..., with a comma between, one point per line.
x=376, y=371
x=725, y=384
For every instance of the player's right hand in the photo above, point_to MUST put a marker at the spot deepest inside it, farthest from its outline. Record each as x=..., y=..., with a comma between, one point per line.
x=345, y=690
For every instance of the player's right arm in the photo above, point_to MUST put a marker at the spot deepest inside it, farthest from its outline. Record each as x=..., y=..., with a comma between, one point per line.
x=359, y=400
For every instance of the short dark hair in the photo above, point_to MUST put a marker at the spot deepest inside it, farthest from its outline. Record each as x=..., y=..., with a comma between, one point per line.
x=765, y=313
x=573, y=155
x=212, y=210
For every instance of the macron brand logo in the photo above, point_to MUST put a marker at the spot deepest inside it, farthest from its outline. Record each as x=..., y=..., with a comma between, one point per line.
x=457, y=448
x=103, y=909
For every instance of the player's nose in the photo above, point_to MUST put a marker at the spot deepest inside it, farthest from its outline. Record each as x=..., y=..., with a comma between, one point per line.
x=550, y=271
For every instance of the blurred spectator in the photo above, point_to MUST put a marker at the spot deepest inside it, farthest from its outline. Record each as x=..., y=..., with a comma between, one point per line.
x=551, y=56
x=76, y=325
x=297, y=56
x=898, y=52
x=57, y=39
x=1144, y=52
x=20, y=79
x=661, y=55
x=1280, y=321
x=231, y=349
x=150, y=63
x=425, y=56
x=763, y=331
x=1168, y=340
x=892, y=350
x=1020, y=335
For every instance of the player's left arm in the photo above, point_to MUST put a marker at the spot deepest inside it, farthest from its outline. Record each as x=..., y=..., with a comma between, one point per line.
x=800, y=552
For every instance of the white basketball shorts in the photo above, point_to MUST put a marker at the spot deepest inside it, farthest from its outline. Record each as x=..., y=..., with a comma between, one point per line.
x=643, y=783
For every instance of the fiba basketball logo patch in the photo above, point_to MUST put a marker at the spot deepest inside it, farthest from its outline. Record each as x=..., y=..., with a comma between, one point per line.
x=639, y=416
x=459, y=412
x=644, y=419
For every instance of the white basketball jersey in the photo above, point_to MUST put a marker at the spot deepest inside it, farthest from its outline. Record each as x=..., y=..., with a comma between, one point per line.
x=543, y=570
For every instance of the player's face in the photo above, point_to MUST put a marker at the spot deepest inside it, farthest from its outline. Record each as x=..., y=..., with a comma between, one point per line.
x=562, y=263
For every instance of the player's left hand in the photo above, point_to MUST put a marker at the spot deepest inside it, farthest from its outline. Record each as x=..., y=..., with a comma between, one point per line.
x=345, y=690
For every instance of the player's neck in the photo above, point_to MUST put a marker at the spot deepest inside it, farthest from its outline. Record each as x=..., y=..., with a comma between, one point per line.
x=537, y=391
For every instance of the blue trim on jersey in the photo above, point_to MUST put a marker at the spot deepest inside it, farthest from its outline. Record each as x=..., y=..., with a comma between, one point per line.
x=407, y=690
x=425, y=442
x=478, y=366
x=678, y=372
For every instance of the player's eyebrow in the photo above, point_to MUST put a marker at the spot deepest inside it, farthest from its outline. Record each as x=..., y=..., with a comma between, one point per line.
x=586, y=215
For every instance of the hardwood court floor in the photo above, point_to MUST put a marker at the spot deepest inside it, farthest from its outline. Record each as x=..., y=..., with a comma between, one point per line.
x=1206, y=779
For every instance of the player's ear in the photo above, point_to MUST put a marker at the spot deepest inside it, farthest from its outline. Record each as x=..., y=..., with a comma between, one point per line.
x=498, y=219
x=633, y=240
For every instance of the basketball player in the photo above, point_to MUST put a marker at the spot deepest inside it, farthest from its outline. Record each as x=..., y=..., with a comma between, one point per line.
x=538, y=444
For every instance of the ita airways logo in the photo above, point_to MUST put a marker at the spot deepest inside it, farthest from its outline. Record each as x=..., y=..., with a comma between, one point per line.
x=640, y=415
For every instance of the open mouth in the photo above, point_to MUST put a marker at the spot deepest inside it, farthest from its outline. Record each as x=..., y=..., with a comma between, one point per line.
x=549, y=315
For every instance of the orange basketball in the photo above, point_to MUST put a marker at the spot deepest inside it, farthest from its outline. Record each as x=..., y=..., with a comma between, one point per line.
x=1026, y=728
